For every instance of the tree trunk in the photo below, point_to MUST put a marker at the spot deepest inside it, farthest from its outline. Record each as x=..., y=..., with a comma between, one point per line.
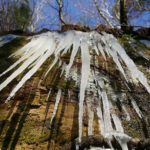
x=123, y=15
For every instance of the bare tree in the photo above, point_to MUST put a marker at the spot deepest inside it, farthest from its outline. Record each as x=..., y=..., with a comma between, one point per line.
x=123, y=15
x=101, y=13
x=59, y=8
x=14, y=15
x=37, y=15
x=6, y=15
x=60, y=4
x=126, y=10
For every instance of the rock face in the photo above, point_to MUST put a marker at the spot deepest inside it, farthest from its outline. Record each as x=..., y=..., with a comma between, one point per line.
x=25, y=123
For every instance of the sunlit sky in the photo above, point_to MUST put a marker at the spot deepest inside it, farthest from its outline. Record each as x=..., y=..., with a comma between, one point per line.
x=84, y=12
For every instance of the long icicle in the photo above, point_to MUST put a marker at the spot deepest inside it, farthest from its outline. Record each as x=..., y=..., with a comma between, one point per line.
x=85, y=71
x=48, y=95
x=136, y=108
x=28, y=62
x=135, y=73
x=58, y=97
x=73, y=54
x=29, y=74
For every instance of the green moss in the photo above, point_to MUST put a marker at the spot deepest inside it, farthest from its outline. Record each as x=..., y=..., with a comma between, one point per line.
x=133, y=128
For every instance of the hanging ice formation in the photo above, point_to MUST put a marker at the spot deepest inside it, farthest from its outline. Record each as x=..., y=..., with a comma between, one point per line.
x=54, y=45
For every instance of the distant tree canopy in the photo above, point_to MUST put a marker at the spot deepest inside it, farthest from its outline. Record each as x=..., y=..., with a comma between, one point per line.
x=22, y=15
x=14, y=15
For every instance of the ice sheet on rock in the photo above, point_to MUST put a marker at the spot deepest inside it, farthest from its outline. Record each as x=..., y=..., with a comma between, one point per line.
x=58, y=97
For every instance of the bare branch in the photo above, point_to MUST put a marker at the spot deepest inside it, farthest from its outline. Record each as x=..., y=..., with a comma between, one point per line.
x=102, y=14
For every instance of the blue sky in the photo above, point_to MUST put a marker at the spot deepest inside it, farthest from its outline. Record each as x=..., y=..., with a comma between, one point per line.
x=84, y=12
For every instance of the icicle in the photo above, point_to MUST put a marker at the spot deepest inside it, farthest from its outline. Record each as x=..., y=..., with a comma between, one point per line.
x=126, y=112
x=48, y=95
x=43, y=46
x=17, y=72
x=117, y=123
x=29, y=74
x=69, y=95
x=58, y=97
x=26, y=56
x=85, y=71
x=73, y=54
x=60, y=63
x=51, y=66
x=63, y=69
x=142, y=54
x=119, y=134
x=106, y=115
x=136, y=108
x=65, y=43
x=122, y=99
x=29, y=61
x=101, y=50
x=104, y=44
x=106, y=111
x=115, y=59
x=135, y=73
x=96, y=50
